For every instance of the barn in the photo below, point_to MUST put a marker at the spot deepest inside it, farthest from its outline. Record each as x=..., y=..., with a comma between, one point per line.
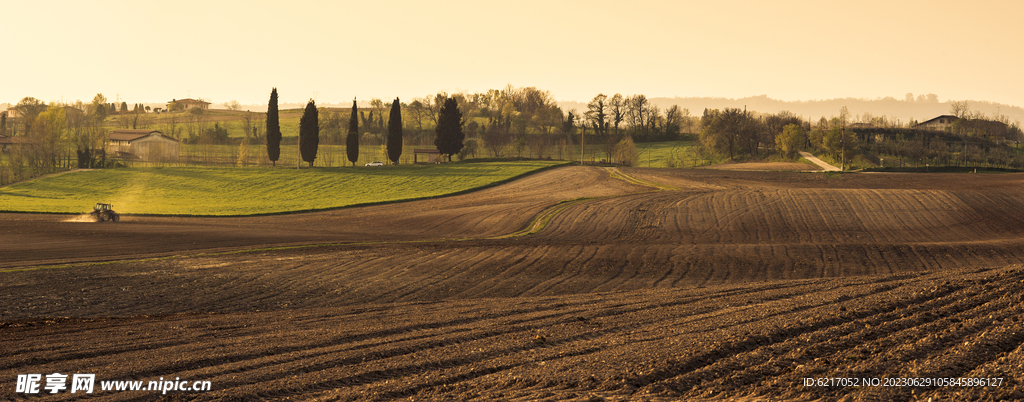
x=940, y=123
x=145, y=145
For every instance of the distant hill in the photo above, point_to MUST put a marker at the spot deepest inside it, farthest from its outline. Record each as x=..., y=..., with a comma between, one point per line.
x=813, y=110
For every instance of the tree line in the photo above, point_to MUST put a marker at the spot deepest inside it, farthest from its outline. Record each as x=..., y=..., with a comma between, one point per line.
x=508, y=122
x=449, y=135
x=972, y=138
x=45, y=138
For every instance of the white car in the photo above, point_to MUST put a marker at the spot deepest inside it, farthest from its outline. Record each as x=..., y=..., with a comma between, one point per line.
x=375, y=164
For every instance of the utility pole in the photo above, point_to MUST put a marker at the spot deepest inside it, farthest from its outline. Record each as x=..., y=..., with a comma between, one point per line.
x=842, y=145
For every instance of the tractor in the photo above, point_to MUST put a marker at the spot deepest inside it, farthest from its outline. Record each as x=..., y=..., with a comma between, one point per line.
x=104, y=212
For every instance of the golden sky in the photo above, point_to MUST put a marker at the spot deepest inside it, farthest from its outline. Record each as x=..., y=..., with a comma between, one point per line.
x=333, y=51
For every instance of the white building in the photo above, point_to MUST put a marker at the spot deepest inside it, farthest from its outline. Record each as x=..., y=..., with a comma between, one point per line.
x=940, y=123
x=146, y=145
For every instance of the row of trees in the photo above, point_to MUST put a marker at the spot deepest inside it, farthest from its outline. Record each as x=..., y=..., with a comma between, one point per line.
x=449, y=138
x=638, y=116
x=737, y=134
x=52, y=137
x=511, y=121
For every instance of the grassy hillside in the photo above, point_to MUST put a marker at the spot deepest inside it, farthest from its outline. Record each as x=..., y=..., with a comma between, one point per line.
x=249, y=191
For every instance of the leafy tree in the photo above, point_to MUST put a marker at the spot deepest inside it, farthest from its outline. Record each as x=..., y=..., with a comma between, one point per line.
x=352, y=141
x=597, y=115
x=309, y=132
x=721, y=131
x=395, y=132
x=215, y=135
x=99, y=107
x=273, y=130
x=449, y=129
x=774, y=124
x=836, y=143
x=49, y=131
x=625, y=152
x=816, y=138
x=330, y=126
x=790, y=140
x=29, y=107
x=472, y=146
x=124, y=107
x=496, y=135
x=569, y=124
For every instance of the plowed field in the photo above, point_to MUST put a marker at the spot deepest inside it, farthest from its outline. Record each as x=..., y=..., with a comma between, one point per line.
x=724, y=284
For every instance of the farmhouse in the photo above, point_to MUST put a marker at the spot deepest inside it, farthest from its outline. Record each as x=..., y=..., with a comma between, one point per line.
x=70, y=112
x=186, y=104
x=6, y=142
x=146, y=145
x=940, y=123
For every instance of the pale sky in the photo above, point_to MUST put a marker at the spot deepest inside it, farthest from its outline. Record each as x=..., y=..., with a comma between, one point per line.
x=333, y=51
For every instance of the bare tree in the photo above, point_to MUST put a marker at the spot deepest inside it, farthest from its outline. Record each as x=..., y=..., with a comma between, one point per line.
x=959, y=109
x=497, y=138
x=617, y=108
x=638, y=113
x=673, y=121
x=196, y=123
x=137, y=119
x=418, y=112
x=844, y=116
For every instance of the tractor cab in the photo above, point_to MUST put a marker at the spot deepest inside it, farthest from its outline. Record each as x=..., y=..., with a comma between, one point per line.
x=104, y=212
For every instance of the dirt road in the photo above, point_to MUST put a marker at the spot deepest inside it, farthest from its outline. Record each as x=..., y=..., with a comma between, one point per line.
x=814, y=159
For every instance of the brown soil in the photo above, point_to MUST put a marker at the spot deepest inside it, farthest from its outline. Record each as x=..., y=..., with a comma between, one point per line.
x=736, y=285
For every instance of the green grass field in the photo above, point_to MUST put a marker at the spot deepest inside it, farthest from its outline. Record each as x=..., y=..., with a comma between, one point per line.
x=252, y=191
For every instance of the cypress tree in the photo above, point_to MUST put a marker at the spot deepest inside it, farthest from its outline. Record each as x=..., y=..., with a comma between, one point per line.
x=309, y=132
x=124, y=107
x=395, y=132
x=3, y=123
x=352, y=141
x=273, y=129
x=449, y=129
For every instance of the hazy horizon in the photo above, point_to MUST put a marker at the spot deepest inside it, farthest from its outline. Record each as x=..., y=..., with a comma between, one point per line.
x=795, y=51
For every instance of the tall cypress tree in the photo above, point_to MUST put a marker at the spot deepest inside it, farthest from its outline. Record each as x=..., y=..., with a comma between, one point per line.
x=273, y=129
x=352, y=141
x=3, y=123
x=449, y=129
x=395, y=132
x=309, y=132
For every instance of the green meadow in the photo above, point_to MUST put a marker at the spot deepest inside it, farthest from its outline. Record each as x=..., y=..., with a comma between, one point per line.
x=234, y=191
